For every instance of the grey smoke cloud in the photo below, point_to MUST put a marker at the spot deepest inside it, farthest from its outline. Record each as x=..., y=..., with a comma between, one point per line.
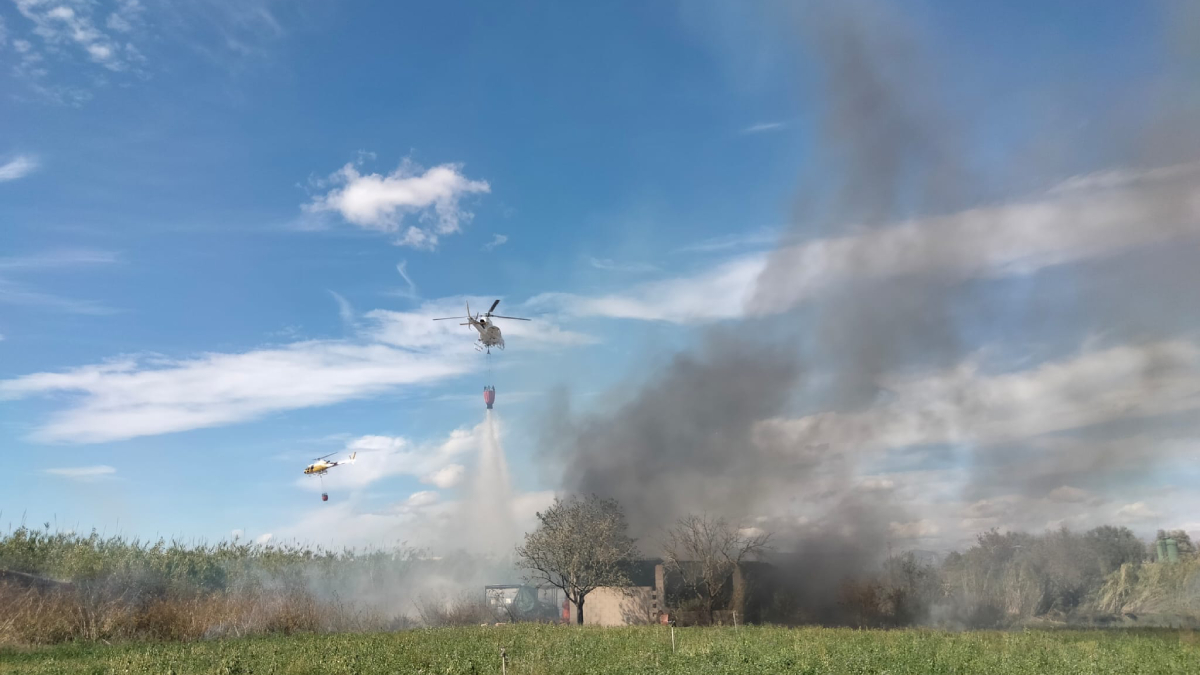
x=777, y=419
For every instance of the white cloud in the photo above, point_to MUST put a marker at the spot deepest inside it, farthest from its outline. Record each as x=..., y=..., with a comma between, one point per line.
x=917, y=529
x=1136, y=512
x=84, y=474
x=18, y=294
x=497, y=240
x=59, y=25
x=18, y=167
x=721, y=293
x=419, y=500
x=757, y=238
x=1143, y=208
x=963, y=405
x=127, y=14
x=764, y=126
x=1068, y=495
x=608, y=265
x=384, y=203
x=345, y=309
x=1115, y=178
x=13, y=293
x=143, y=396
x=57, y=259
x=445, y=477
x=263, y=538
x=381, y=457
x=876, y=484
x=131, y=398
x=411, y=291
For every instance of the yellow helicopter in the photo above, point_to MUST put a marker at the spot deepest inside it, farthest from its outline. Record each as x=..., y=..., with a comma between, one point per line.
x=320, y=466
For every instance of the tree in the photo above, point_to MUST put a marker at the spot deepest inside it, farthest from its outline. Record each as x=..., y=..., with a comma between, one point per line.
x=1114, y=546
x=579, y=545
x=705, y=551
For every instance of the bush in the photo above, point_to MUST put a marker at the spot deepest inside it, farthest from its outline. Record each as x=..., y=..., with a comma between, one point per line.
x=463, y=609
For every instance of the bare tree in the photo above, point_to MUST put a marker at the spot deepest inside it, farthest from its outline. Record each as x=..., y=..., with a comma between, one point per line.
x=579, y=545
x=705, y=551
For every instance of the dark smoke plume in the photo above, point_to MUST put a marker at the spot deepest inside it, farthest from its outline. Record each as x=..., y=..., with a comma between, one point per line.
x=699, y=436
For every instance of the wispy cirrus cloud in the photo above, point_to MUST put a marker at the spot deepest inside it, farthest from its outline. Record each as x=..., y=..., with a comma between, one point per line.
x=763, y=127
x=719, y=293
x=756, y=238
x=137, y=396
x=497, y=240
x=391, y=203
x=67, y=49
x=12, y=293
x=143, y=397
x=83, y=474
x=609, y=265
x=1093, y=219
x=345, y=309
x=58, y=259
x=18, y=167
x=965, y=405
x=20, y=293
x=411, y=291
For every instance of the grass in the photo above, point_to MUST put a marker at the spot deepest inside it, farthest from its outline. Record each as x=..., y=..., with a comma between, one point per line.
x=565, y=650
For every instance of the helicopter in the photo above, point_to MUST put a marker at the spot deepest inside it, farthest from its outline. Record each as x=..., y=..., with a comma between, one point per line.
x=320, y=466
x=489, y=332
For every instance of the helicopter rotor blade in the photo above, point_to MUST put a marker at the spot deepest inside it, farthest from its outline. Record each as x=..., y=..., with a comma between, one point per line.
x=493, y=307
x=514, y=318
x=447, y=318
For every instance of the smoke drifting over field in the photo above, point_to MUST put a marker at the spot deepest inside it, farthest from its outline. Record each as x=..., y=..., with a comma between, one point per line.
x=923, y=351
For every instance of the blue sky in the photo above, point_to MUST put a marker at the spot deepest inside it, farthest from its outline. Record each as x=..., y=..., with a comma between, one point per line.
x=205, y=213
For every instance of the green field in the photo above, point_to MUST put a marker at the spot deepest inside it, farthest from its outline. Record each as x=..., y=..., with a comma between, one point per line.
x=565, y=650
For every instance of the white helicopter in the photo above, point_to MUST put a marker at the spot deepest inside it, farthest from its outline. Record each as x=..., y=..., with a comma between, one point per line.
x=489, y=332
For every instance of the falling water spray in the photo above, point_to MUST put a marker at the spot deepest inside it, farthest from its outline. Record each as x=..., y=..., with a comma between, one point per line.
x=489, y=505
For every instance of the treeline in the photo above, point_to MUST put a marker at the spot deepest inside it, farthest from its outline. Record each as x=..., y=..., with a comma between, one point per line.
x=62, y=586
x=1011, y=577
